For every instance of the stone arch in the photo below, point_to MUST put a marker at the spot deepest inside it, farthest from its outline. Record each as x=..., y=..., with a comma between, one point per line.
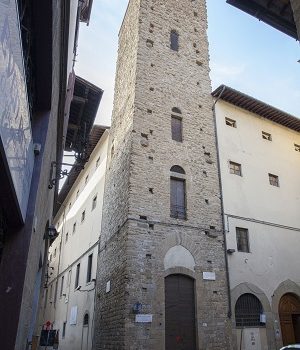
x=179, y=256
x=245, y=288
x=285, y=287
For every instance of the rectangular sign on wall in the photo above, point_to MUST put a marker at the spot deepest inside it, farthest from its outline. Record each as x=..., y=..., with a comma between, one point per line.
x=15, y=125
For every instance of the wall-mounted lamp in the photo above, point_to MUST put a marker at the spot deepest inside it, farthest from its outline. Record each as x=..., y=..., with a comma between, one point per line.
x=59, y=173
x=51, y=232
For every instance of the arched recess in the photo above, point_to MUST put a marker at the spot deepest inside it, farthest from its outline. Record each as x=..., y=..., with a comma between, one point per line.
x=289, y=314
x=180, y=318
x=247, y=287
x=179, y=256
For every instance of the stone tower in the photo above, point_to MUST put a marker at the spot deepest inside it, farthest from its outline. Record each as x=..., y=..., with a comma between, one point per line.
x=161, y=253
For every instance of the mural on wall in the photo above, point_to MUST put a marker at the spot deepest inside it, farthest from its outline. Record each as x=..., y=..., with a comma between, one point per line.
x=15, y=126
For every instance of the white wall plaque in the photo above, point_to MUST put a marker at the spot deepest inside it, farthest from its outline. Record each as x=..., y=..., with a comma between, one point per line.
x=143, y=318
x=210, y=276
x=73, y=315
x=107, y=287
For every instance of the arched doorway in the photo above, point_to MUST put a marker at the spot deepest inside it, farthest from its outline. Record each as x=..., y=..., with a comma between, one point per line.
x=180, y=330
x=289, y=313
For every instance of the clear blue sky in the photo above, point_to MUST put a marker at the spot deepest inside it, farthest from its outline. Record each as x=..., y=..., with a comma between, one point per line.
x=245, y=54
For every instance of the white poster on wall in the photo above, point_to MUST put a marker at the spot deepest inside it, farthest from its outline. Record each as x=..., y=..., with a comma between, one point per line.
x=73, y=315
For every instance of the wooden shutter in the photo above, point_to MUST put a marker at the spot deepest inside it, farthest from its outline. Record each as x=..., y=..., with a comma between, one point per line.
x=176, y=129
x=178, y=198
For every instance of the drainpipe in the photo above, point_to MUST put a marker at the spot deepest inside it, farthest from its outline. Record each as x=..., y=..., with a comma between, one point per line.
x=222, y=201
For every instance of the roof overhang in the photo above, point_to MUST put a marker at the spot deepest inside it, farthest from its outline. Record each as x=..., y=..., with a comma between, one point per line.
x=94, y=138
x=83, y=110
x=277, y=13
x=85, y=12
x=253, y=105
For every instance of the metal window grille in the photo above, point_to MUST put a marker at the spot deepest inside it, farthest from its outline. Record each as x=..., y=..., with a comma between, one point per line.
x=247, y=311
x=274, y=180
x=86, y=319
x=235, y=168
x=242, y=239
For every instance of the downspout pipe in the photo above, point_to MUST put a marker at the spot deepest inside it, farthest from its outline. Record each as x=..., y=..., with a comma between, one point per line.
x=229, y=313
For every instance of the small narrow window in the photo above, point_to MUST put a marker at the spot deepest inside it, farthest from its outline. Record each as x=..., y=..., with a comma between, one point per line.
x=235, y=168
x=266, y=136
x=89, y=268
x=64, y=329
x=86, y=179
x=274, y=180
x=50, y=258
x=70, y=205
x=67, y=237
x=97, y=162
x=86, y=320
x=242, y=240
x=77, y=276
x=51, y=290
x=55, y=291
x=54, y=255
x=77, y=194
x=74, y=227
x=94, y=203
x=297, y=147
x=178, y=207
x=176, y=123
x=83, y=216
x=174, y=40
x=230, y=122
x=62, y=286
x=69, y=277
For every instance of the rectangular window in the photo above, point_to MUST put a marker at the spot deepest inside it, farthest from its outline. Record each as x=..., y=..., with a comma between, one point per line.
x=86, y=179
x=67, y=236
x=174, y=39
x=178, y=207
x=89, y=268
x=55, y=292
x=83, y=216
x=64, y=329
x=69, y=277
x=274, y=180
x=74, y=227
x=54, y=255
x=46, y=298
x=77, y=276
x=230, y=122
x=62, y=286
x=94, y=203
x=77, y=194
x=51, y=292
x=297, y=147
x=266, y=136
x=242, y=240
x=176, y=123
x=235, y=168
x=97, y=162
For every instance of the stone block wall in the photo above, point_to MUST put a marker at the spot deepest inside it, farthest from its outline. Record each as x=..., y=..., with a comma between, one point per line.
x=137, y=229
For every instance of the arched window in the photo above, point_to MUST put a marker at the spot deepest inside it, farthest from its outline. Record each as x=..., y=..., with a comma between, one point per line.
x=174, y=39
x=176, y=110
x=177, y=169
x=247, y=311
x=86, y=319
x=177, y=193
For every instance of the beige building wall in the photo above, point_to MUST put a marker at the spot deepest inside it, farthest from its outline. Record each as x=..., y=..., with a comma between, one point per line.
x=68, y=305
x=270, y=213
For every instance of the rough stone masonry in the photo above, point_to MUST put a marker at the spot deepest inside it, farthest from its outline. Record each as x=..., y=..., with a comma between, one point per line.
x=137, y=230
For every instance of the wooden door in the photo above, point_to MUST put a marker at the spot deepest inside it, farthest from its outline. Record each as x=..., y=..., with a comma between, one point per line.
x=289, y=312
x=180, y=331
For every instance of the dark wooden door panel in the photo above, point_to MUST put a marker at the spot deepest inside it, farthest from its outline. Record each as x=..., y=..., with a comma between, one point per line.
x=180, y=330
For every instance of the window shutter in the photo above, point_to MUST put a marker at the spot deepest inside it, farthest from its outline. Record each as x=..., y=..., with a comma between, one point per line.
x=177, y=129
